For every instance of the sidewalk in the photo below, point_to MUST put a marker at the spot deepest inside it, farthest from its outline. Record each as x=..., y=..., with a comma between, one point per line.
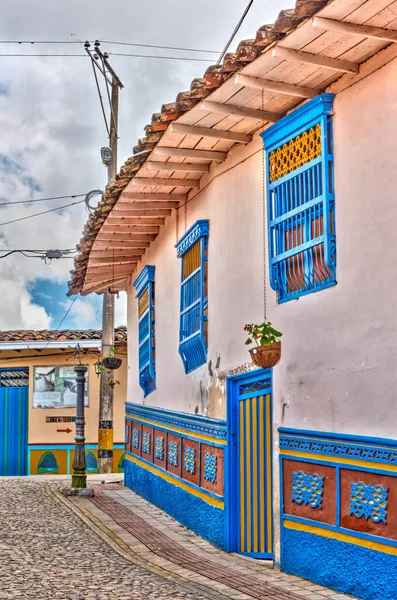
x=155, y=540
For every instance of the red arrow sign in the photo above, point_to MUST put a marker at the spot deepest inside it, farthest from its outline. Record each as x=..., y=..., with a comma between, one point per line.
x=67, y=430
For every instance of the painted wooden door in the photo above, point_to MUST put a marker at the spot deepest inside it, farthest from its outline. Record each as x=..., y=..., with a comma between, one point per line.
x=253, y=458
x=13, y=430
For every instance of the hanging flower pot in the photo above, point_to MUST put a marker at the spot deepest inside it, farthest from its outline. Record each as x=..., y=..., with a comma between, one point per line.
x=112, y=363
x=266, y=356
x=267, y=352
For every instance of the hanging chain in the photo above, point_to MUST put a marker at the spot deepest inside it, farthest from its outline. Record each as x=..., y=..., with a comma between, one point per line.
x=264, y=214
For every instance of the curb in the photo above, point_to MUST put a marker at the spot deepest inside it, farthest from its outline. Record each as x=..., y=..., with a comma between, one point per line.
x=117, y=544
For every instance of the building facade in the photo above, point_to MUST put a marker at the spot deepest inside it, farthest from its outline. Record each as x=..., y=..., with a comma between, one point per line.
x=38, y=400
x=294, y=225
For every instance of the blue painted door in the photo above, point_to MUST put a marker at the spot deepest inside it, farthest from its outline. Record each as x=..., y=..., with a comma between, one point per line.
x=13, y=430
x=251, y=452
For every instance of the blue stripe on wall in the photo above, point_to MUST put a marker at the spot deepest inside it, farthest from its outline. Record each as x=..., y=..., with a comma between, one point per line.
x=345, y=567
x=194, y=513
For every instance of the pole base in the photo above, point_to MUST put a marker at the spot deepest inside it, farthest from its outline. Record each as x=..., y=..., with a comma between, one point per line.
x=79, y=480
x=82, y=492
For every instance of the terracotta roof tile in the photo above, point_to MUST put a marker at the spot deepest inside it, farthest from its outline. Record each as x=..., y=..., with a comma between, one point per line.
x=30, y=335
x=247, y=51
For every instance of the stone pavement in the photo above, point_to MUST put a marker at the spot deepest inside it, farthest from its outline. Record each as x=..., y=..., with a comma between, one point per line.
x=155, y=540
x=48, y=552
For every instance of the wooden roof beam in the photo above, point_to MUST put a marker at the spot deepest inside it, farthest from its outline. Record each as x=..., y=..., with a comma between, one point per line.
x=125, y=216
x=124, y=222
x=188, y=153
x=275, y=86
x=169, y=166
x=335, y=64
x=103, y=286
x=112, y=233
x=108, y=261
x=95, y=272
x=148, y=196
x=115, y=254
x=231, y=136
x=109, y=244
x=144, y=205
x=142, y=213
x=189, y=183
x=366, y=31
x=240, y=111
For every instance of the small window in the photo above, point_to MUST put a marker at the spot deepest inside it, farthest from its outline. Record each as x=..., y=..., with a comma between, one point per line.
x=192, y=248
x=144, y=285
x=300, y=200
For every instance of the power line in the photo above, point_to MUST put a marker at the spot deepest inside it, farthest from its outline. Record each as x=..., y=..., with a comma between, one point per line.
x=135, y=44
x=42, y=199
x=250, y=3
x=44, y=212
x=67, y=312
x=44, y=254
x=184, y=58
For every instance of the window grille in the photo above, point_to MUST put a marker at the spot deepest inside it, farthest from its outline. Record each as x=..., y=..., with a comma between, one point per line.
x=193, y=249
x=144, y=285
x=300, y=200
x=14, y=377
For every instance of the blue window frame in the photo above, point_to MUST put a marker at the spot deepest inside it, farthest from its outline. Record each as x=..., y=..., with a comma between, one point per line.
x=192, y=248
x=144, y=285
x=300, y=200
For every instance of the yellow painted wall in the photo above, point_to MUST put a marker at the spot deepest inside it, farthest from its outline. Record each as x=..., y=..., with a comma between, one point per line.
x=41, y=432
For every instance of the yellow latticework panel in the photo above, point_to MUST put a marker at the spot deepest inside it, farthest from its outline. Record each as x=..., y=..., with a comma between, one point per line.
x=191, y=260
x=143, y=302
x=296, y=153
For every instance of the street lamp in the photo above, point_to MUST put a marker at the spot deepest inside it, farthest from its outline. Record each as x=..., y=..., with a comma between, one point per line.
x=79, y=477
x=98, y=366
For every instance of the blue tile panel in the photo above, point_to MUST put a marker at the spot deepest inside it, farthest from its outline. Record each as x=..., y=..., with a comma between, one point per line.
x=376, y=451
x=369, y=501
x=183, y=440
x=307, y=489
x=192, y=424
x=210, y=467
x=135, y=437
x=189, y=460
x=192, y=248
x=352, y=548
x=173, y=454
x=300, y=200
x=146, y=443
x=159, y=447
x=144, y=285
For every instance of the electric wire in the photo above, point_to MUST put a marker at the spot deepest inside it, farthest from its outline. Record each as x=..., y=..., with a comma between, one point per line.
x=100, y=97
x=245, y=13
x=135, y=44
x=42, y=199
x=67, y=312
x=44, y=212
x=37, y=253
x=184, y=58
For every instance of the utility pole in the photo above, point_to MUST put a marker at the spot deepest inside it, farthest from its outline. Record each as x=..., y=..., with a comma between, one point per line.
x=105, y=427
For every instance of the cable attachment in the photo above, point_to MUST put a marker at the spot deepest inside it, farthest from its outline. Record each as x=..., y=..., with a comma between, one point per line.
x=89, y=196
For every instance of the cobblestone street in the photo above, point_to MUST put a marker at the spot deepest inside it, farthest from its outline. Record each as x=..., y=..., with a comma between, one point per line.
x=118, y=546
x=47, y=552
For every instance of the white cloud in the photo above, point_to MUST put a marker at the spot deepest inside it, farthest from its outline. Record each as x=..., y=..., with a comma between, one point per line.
x=51, y=123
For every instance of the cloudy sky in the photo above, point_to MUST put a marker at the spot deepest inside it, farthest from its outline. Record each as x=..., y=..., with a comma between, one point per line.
x=51, y=127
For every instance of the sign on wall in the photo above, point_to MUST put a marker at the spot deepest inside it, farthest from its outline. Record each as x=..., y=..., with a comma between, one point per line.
x=56, y=387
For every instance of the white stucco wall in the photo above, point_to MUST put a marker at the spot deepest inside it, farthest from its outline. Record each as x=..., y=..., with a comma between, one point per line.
x=339, y=345
x=233, y=204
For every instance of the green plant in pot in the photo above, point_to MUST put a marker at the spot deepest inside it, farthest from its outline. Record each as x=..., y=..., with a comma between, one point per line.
x=267, y=351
